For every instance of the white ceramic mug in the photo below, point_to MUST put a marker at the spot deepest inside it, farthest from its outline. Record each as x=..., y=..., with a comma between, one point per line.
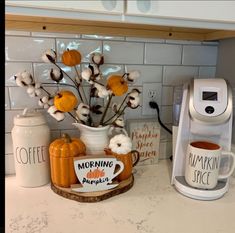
x=203, y=164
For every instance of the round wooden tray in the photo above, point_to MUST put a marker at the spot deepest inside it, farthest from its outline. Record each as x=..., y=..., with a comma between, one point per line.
x=97, y=196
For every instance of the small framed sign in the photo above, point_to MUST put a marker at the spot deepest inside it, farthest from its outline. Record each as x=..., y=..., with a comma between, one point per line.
x=145, y=136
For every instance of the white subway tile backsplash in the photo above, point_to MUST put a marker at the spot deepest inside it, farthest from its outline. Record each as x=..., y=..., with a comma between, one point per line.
x=55, y=35
x=12, y=68
x=148, y=73
x=54, y=135
x=9, y=116
x=177, y=75
x=26, y=48
x=210, y=42
x=7, y=100
x=165, y=135
x=167, y=95
x=199, y=55
x=183, y=42
x=166, y=114
x=133, y=113
x=85, y=47
x=123, y=52
x=207, y=72
x=8, y=144
x=71, y=132
x=99, y=37
x=17, y=33
x=20, y=98
x=9, y=164
x=55, y=125
x=146, y=40
x=165, y=150
x=162, y=54
x=108, y=69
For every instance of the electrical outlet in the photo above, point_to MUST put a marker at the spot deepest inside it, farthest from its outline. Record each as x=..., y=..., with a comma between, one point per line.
x=151, y=92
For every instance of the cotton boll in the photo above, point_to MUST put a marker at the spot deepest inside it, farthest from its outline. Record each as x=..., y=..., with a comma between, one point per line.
x=59, y=116
x=40, y=103
x=19, y=81
x=101, y=90
x=56, y=74
x=86, y=74
x=134, y=103
x=30, y=89
x=49, y=56
x=44, y=102
x=133, y=75
x=120, y=144
x=97, y=58
x=37, y=92
x=23, y=79
x=120, y=122
x=83, y=112
x=27, y=77
x=133, y=100
x=45, y=99
x=52, y=109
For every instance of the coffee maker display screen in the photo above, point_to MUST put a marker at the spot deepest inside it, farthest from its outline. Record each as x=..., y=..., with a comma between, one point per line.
x=209, y=95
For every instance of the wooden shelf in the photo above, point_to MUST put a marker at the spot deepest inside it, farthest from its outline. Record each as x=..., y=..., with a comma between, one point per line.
x=61, y=25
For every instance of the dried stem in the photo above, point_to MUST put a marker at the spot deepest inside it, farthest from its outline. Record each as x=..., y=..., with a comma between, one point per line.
x=84, y=95
x=46, y=91
x=120, y=114
x=72, y=116
x=106, y=109
x=117, y=110
x=76, y=85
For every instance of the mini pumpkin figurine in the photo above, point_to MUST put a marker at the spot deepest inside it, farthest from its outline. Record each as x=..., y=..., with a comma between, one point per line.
x=62, y=152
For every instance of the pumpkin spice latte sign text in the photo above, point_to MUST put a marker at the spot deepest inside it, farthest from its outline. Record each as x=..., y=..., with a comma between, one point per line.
x=145, y=136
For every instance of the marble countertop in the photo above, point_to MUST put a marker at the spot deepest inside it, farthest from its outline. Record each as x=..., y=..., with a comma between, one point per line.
x=152, y=205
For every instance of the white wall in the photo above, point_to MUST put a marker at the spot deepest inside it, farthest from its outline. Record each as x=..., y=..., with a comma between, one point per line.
x=167, y=62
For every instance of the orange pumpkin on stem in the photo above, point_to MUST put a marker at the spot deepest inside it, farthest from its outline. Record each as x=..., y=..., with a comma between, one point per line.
x=71, y=57
x=65, y=101
x=117, y=84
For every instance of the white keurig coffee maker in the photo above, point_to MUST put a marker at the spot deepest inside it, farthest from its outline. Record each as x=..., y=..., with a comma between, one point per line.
x=206, y=114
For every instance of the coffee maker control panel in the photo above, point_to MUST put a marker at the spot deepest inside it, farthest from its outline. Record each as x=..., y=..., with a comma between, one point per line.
x=210, y=97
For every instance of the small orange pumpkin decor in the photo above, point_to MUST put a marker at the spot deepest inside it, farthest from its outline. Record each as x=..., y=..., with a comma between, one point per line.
x=62, y=151
x=117, y=85
x=71, y=57
x=65, y=101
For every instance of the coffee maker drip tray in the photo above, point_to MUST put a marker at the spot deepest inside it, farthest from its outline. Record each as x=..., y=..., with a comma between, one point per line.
x=200, y=194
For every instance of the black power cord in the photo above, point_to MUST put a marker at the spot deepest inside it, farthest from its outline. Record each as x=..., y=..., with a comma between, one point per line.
x=154, y=105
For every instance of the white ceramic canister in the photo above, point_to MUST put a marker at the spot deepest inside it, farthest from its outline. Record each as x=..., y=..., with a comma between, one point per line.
x=31, y=139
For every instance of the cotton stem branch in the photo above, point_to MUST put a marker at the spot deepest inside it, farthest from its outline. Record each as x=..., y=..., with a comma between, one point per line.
x=106, y=109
